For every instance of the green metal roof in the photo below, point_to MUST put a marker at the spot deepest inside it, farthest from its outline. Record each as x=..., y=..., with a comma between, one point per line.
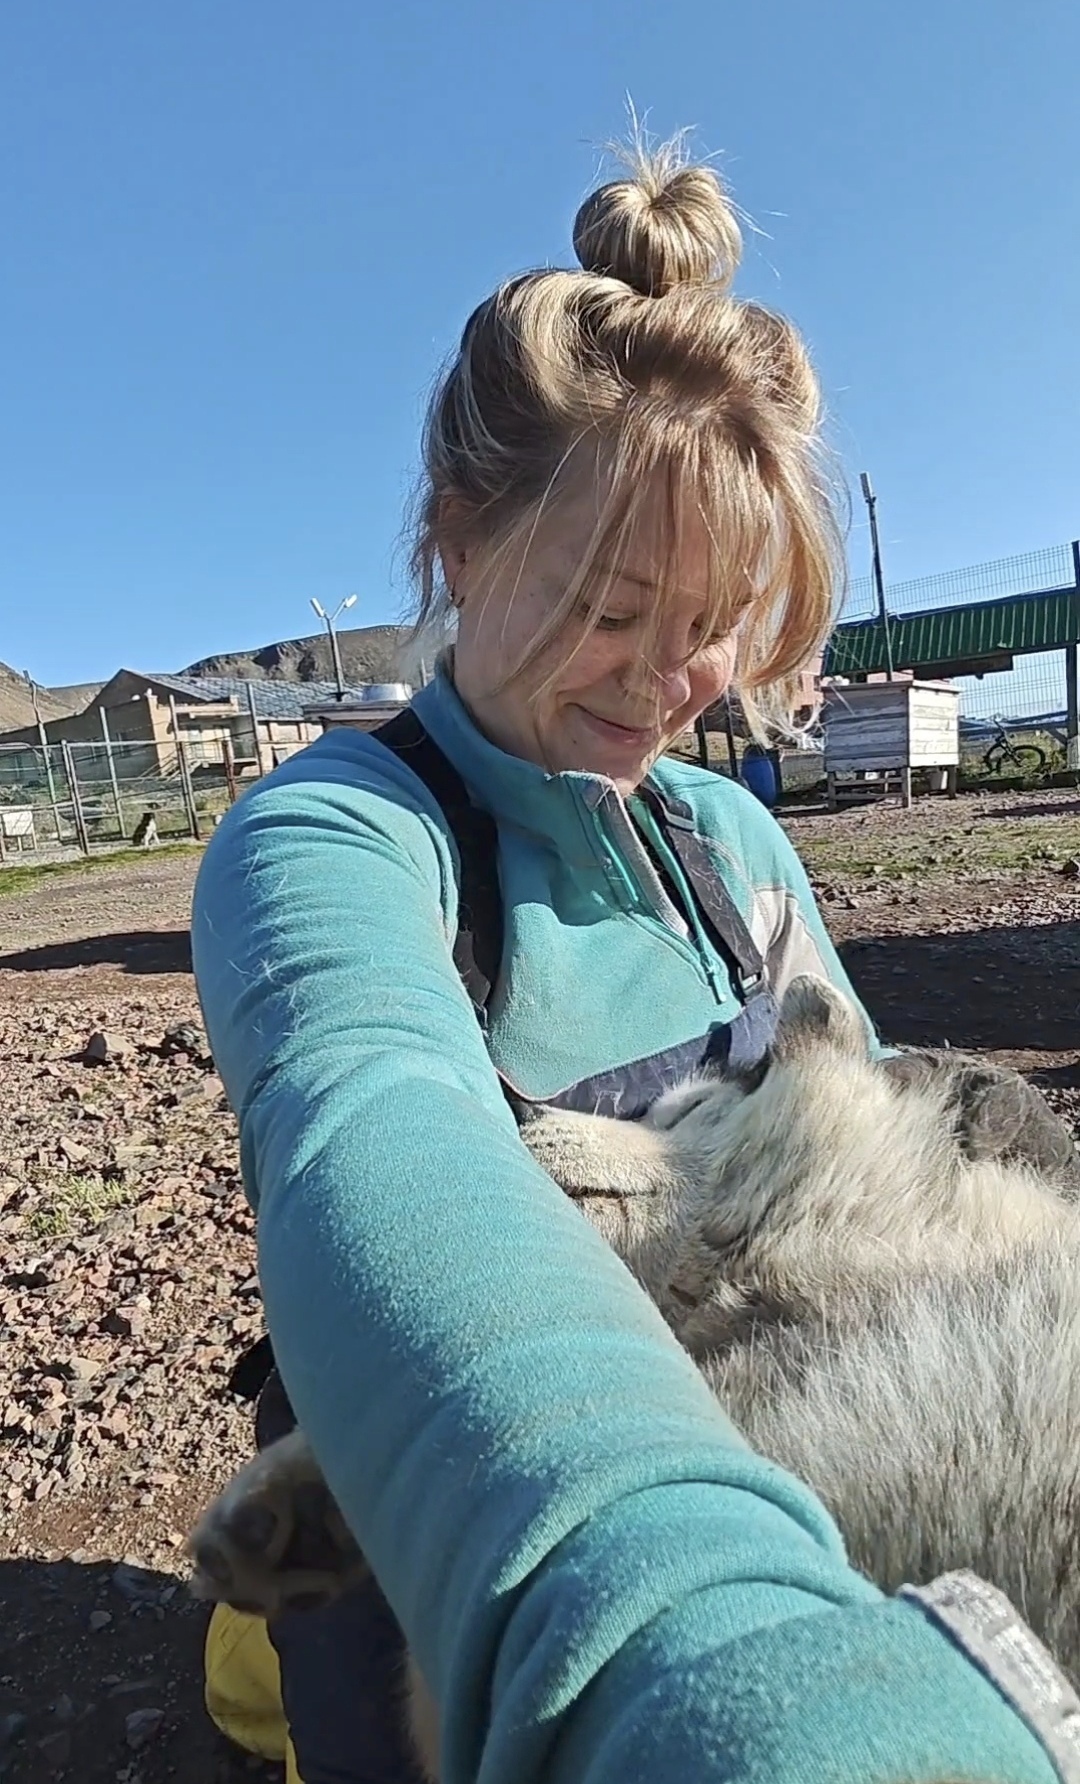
x=957, y=639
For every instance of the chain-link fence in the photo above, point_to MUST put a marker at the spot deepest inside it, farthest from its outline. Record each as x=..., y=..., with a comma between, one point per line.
x=1024, y=705
x=89, y=796
x=1049, y=568
x=1033, y=690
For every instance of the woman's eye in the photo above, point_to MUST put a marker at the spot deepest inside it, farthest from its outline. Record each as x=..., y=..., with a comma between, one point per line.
x=710, y=640
x=607, y=622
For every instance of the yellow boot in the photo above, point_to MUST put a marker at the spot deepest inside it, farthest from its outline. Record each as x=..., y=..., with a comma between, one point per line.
x=243, y=1687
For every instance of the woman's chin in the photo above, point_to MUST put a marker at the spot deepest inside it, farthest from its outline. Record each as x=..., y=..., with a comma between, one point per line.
x=600, y=748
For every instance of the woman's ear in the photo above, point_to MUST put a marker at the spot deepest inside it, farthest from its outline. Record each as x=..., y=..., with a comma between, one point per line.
x=453, y=559
x=453, y=544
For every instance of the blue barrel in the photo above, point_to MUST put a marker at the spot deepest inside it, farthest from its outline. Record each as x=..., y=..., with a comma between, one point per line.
x=759, y=774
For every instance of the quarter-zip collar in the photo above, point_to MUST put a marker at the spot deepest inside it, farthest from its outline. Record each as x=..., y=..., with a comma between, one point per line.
x=582, y=816
x=515, y=792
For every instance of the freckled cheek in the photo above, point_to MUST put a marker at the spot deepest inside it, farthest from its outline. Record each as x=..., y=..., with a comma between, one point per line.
x=599, y=659
x=709, y=684
x=709, y=680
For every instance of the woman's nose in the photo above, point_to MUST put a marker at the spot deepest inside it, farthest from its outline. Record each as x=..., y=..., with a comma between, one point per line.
x=674, y=684
x=661, y=673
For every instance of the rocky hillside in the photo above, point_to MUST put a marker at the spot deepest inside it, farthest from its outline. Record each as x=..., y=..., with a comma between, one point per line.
x=17, y=706
x=368, y=653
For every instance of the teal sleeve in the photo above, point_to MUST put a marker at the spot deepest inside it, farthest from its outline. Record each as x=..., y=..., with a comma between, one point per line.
x=600, y=1582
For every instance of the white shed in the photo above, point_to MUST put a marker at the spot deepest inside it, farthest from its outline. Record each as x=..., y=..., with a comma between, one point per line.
x=884, y=729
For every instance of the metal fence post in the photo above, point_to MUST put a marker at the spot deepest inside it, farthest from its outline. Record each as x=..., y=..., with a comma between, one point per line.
x=46, y=746
x=1072, y=704
x=188, y=789
x=76, y=800
x=112, y=774
x=256, y=743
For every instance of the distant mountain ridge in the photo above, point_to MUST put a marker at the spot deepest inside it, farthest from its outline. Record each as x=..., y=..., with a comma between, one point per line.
x=17, y=701
x=368, y=653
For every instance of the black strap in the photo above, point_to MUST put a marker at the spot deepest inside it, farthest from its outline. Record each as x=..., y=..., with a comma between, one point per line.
x=722, y=915
x=478, y=945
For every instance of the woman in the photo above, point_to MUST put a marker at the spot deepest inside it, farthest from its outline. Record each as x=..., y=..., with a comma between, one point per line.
x=624, y=507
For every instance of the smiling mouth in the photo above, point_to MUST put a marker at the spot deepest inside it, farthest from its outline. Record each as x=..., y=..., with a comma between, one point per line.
x=619, y=733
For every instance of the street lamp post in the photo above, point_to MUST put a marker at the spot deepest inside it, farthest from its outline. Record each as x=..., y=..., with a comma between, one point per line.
x=328, y=621
x=879, y=580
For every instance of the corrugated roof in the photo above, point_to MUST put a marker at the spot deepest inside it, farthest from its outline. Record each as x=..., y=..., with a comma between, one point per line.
x=272, y=699
x=952, y=638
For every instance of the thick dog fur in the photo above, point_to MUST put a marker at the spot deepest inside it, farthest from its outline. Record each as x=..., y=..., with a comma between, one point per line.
x=896, y=1322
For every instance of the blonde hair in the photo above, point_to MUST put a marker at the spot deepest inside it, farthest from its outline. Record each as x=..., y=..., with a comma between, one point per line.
x=645, y=371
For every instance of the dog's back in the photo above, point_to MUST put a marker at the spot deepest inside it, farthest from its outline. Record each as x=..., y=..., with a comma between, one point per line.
x=940, y=1426
x=892, y=1321
x=895, y=1324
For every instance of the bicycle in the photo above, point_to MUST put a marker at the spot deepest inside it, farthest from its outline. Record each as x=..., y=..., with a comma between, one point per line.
x=1024, y=758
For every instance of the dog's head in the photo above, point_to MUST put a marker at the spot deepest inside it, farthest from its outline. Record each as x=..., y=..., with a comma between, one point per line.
x=816, y=1024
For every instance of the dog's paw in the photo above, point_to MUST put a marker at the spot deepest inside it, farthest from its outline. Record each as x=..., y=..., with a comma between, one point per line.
x=576, y=1150
x=275, y=1540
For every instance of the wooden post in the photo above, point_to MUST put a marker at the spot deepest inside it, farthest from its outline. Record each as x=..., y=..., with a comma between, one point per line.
x=230, y=767
x=112, y=774
x=81, y=831
x=255, y=730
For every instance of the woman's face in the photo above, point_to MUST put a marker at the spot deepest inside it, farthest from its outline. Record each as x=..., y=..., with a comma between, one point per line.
x=610, y=711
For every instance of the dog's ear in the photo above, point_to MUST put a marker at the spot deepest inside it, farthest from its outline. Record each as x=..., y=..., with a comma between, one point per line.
x=815, y=1014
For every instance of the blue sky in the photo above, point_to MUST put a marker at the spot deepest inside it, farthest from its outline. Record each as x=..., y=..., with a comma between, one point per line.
x=237, y=240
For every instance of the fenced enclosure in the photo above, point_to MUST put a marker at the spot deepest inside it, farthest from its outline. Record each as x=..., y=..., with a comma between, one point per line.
x=89, y=796
x=1005, y=634
x=1031, y=690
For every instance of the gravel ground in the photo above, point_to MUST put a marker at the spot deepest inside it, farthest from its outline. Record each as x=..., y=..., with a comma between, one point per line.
x=127, y=1288
x=127, y=1284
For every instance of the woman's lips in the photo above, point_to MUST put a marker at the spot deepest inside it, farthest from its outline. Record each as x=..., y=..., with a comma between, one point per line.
x=614, y=733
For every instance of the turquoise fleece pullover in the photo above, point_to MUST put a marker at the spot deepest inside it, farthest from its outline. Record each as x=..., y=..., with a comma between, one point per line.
x=601, y=1583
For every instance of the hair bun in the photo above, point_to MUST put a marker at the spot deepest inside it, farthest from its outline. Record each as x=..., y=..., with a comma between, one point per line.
x=666, y=225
